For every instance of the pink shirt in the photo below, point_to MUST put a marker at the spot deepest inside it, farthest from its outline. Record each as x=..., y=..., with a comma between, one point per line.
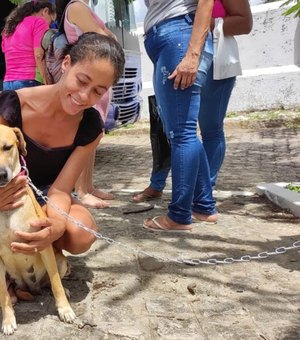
x=19, y=48
x=218, y=10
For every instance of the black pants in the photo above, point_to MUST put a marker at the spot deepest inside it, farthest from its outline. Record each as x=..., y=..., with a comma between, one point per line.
x=161, y=150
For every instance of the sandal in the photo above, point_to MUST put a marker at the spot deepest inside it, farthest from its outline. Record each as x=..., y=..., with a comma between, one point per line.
x=158, y=226
x=210, y=219
x=147, y=195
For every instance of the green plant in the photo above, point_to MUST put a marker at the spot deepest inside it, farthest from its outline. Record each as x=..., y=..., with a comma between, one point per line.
x=231, y=114
x=16, y=2
x=293, y=187
x=295, y=9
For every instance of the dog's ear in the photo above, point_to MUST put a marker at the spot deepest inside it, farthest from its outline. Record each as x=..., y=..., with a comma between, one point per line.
x=21, y=141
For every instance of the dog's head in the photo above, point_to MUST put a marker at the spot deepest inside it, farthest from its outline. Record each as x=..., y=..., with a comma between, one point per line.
x=11, y=144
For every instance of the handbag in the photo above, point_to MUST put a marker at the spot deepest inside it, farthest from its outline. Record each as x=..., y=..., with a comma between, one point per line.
x=226, y=58
x=161, y=149
x=54, y=42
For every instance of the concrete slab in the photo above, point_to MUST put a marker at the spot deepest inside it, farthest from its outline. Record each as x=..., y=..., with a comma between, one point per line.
x=278, y=194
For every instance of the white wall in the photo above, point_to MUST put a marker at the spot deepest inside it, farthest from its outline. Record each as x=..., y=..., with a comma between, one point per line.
x=270, y=57
x=272, y=39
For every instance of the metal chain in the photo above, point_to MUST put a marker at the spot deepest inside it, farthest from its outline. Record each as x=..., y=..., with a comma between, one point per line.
x=194, y=262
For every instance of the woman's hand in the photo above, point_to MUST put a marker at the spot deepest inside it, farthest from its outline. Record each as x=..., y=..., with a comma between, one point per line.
x=10, y=194
x=48, y=231
x=185, y=73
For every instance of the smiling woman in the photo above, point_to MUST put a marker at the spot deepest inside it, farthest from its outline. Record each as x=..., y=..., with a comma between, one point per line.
x=61, y=130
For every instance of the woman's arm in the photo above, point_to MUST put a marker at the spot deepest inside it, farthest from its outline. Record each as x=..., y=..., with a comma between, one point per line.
x=186, y=72
x=54, y=226
x=40, y=64
x=80, y=15
x=239, y=17
x=61, y=189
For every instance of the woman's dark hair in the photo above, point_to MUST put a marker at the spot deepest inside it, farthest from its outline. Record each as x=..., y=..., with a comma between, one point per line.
x=22, y=11
x=92, y=46
x=60, y=8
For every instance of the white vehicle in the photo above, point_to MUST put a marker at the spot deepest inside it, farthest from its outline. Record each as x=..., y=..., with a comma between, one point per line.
x=126, y=103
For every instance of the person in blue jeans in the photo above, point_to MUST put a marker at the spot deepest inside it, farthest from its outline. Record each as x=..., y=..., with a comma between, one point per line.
x=215, y=95
x=179, y=44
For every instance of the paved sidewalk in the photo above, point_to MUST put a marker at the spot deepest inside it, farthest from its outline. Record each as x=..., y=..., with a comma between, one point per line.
x=120, y=294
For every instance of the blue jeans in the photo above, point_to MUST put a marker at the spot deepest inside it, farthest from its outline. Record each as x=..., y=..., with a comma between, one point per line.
x=19, y=84
x=215, y=96
x=166, y=45
x=214, y=102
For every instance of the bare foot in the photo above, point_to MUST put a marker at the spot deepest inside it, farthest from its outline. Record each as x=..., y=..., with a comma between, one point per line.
x=146, y=195
x=164, y=223
x=102, y=194
x=205, y=218
x=91, y=201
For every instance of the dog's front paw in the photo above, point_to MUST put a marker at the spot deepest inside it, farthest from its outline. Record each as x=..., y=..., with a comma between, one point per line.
x=66, y=314
x=9, y=326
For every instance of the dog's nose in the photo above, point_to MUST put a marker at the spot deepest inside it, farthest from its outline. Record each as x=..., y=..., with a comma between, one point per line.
x=3, y=176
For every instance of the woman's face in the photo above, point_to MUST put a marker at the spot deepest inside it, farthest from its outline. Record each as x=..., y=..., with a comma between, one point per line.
x=84, y=83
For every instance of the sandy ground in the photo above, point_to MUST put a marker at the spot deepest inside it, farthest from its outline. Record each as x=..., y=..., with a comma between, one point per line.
x=134, y=288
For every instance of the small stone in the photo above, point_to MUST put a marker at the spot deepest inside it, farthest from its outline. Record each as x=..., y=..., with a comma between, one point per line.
x=192, y=288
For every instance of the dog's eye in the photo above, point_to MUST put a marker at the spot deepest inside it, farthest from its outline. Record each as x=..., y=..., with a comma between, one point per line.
x=7, y=147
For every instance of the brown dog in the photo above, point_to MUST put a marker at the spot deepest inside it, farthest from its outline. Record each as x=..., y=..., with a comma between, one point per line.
x=28, y=272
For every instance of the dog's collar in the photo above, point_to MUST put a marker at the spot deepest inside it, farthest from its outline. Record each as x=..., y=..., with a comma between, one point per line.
x=23, y=171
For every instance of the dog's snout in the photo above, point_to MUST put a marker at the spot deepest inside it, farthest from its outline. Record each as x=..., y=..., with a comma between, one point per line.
x=3, y=176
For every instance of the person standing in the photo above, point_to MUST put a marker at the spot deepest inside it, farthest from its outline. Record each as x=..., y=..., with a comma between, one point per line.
x=21, y=43
x=178, y=42
x=215, y=96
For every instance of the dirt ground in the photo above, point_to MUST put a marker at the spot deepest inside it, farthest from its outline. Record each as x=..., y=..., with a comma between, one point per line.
x=118, y=291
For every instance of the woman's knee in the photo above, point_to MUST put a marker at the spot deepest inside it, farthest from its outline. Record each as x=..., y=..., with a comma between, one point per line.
x=80, y=233
x=80, y=241
x=210, y=135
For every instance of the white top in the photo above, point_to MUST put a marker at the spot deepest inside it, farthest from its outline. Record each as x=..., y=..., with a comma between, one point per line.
x=160, y=10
